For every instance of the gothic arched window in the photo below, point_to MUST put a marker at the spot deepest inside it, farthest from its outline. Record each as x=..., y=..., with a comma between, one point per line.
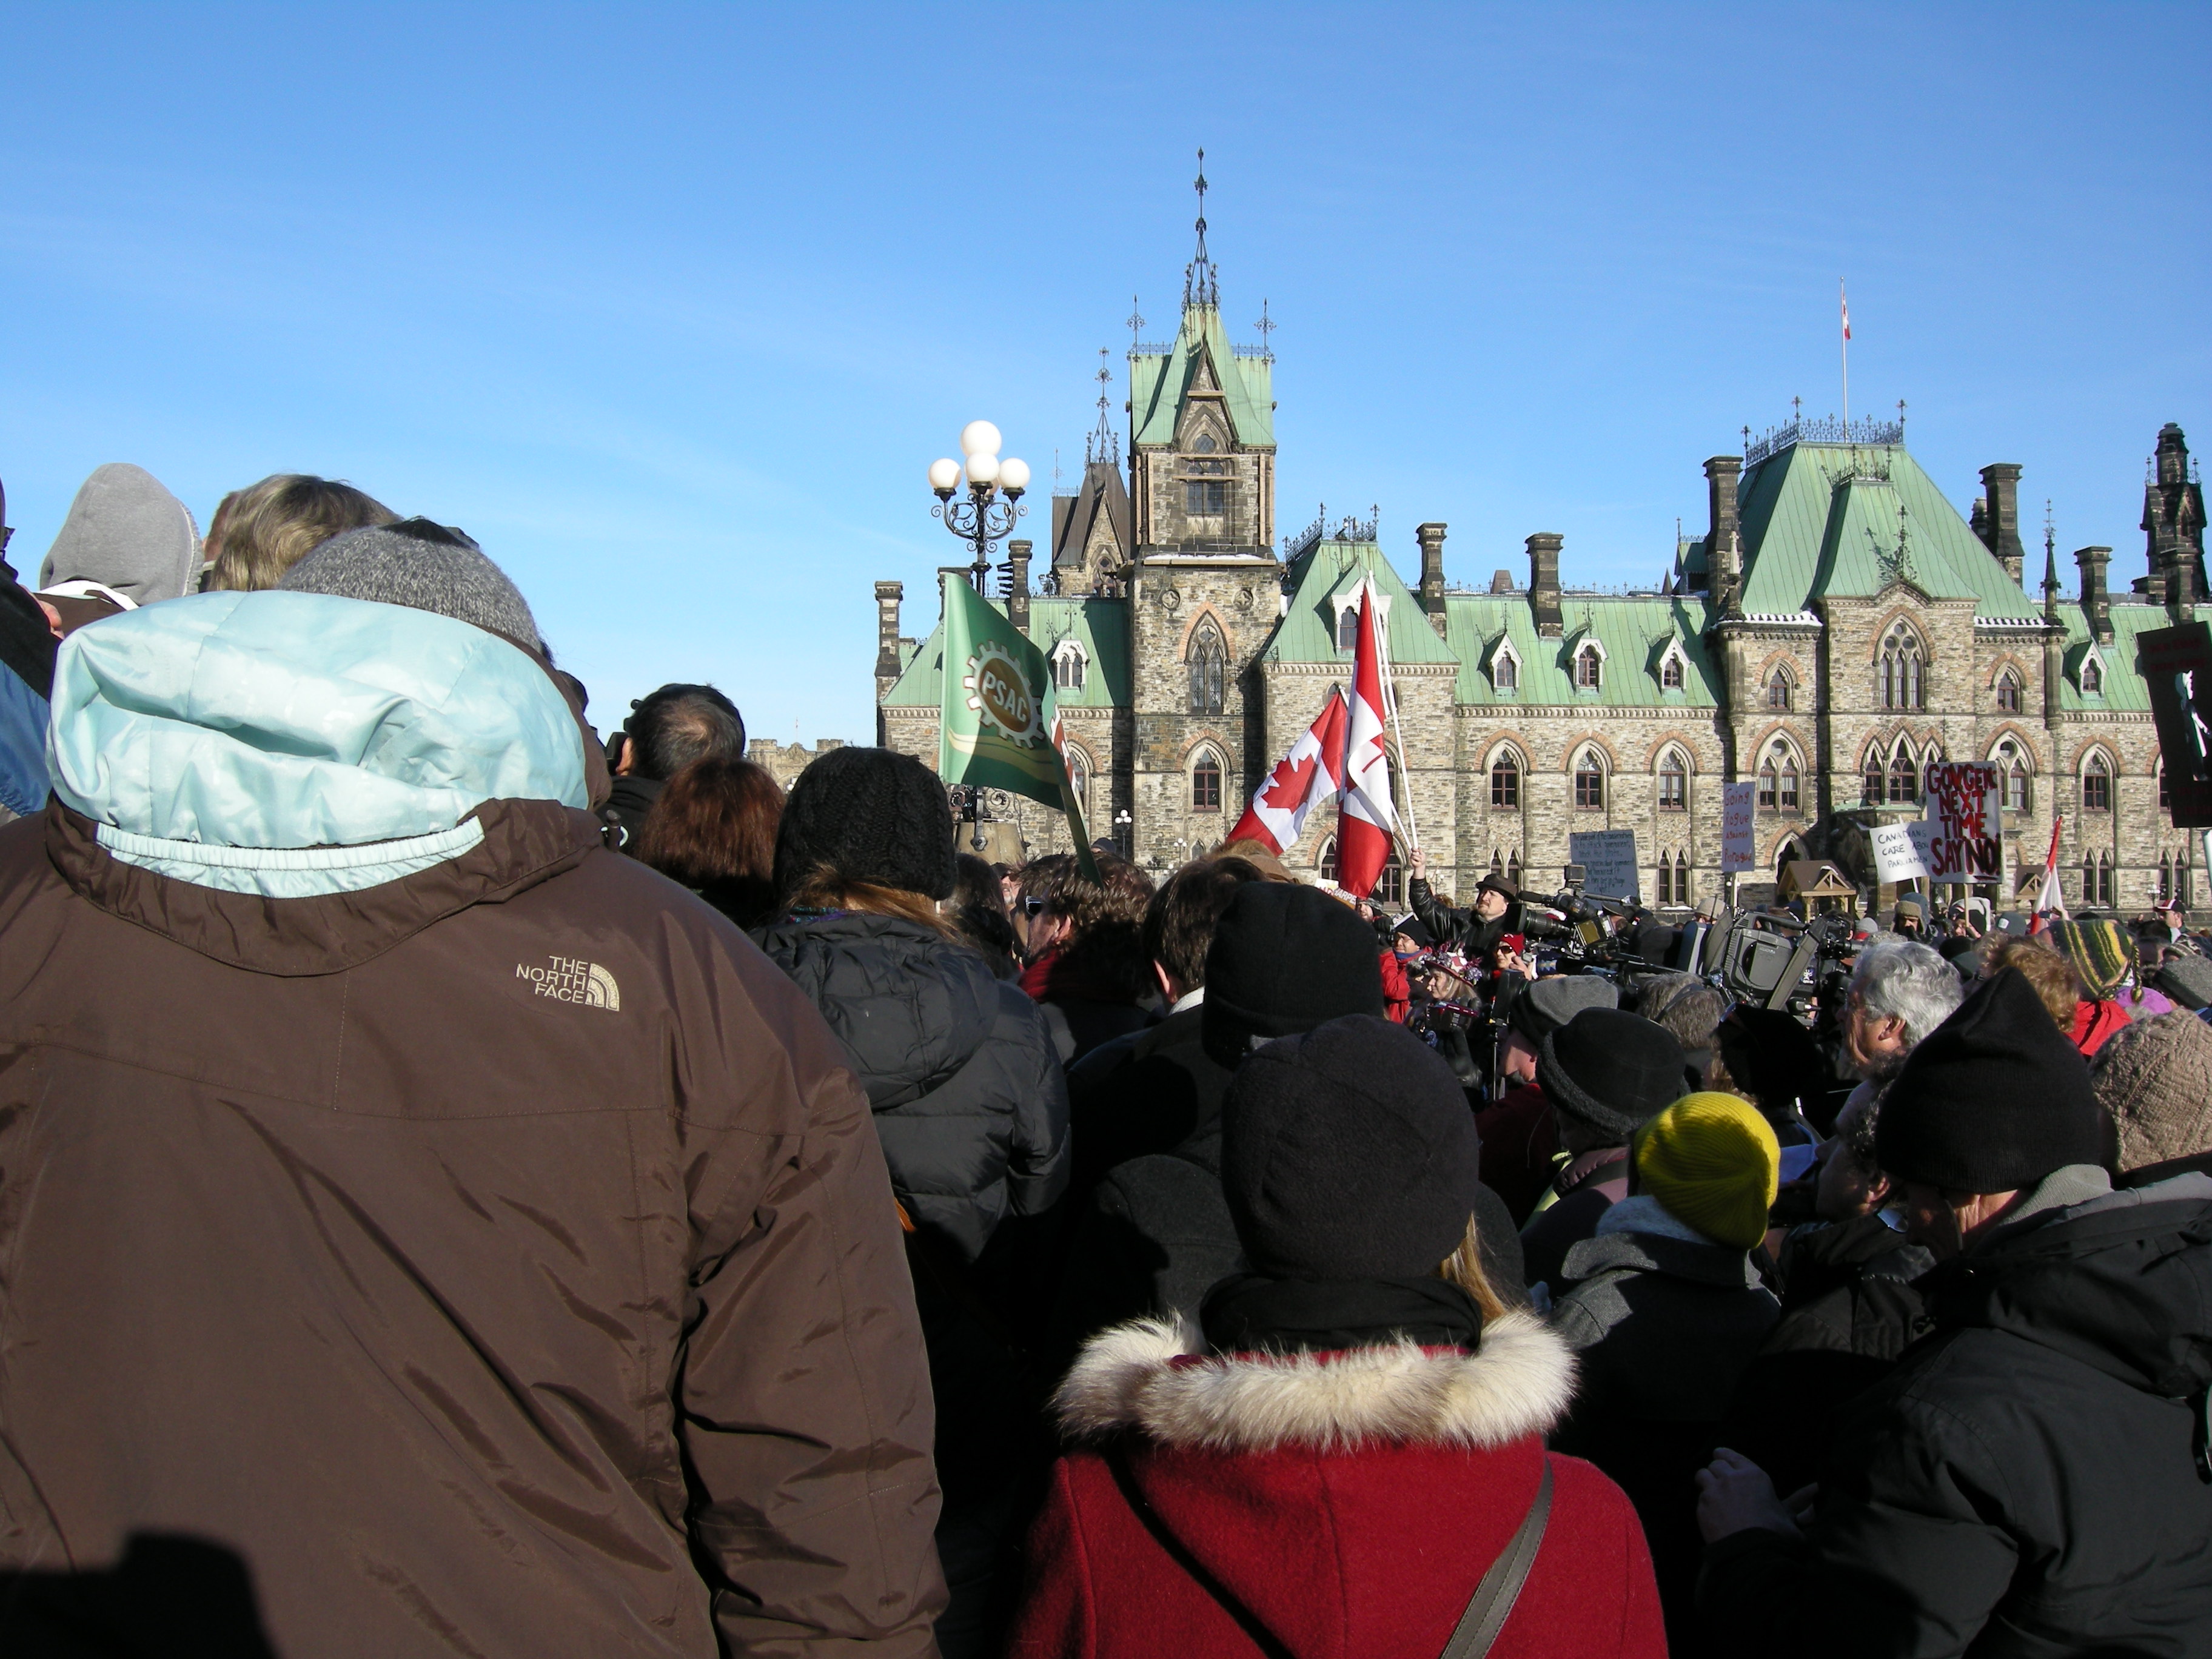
x=1209, y=672
x=1067, y=666
x=1347, y=628
x=1078, y=779
x=1777, y=690
x=1205, y=783
x=1505, y=784
x=1590, y=668
x=2012, y=777
x=1513, y=867
x=1900, y=679
x=1589, y=781
x=1670, y=672
x=2097, y=785
x=1505, y=671
x=1327, y=865
x=1391, y=888
x=1870, y=777
x=2092, y=678
x=1770, y=783
x=1674, y=782
x=2009, y=692
x=1904, y=775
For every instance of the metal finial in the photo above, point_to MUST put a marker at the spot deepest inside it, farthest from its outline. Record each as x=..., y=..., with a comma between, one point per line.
x=1901, y=420
x=1135, y=324
x=1266, y=327
x=1103, y=444
x=1199, y=286
x=1796, y=409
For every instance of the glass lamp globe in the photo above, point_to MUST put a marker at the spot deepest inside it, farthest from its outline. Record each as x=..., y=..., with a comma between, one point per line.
x=945, y=475
x=1013, y=474
x=978, y=438
x=983, y=469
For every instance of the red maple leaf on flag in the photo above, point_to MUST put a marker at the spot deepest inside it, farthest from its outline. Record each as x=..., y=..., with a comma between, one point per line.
x=1286, y=790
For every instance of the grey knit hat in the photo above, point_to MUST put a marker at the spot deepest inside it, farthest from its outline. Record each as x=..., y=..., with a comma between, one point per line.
x=423, y=566
x=126, y=532
x=2154, y=1079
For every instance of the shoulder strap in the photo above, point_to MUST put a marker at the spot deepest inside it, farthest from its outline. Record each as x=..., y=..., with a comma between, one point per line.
x=1493, y=1599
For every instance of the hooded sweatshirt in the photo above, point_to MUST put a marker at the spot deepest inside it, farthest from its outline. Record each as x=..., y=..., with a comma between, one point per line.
x=126, y=532
x=458, y=1230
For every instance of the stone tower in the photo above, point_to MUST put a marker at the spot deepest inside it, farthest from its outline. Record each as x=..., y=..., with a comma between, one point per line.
x=1204, y=585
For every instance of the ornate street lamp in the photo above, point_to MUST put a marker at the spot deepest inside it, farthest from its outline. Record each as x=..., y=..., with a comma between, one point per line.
x=994, y=494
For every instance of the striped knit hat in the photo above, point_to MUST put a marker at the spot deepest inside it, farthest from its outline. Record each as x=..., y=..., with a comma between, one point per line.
x=1712, y=1161
x=2100, y=952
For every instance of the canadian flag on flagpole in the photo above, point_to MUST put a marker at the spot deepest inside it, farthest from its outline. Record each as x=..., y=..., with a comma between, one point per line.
x=1365, y=817
x=1845, y=300
x=2052, y=896
x=1302, y=781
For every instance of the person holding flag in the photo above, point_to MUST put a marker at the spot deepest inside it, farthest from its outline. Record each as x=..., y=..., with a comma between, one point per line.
x=1302, y=781
x=2051, y=897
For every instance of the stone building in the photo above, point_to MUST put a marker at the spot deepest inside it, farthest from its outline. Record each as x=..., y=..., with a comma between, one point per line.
x=1837, y=626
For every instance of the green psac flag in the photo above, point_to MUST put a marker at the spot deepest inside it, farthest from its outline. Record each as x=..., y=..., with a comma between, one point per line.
x=1000, y=726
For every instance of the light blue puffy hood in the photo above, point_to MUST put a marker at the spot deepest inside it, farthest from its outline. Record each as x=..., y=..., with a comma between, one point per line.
x=290, y=744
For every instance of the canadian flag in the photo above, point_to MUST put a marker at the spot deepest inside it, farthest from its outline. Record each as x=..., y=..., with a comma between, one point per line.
x=1302, y=781
x=1365, y=817
x=2052, y=897
x=1844, y=300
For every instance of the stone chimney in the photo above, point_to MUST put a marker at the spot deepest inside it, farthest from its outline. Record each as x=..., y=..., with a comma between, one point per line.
x=1431, y=538
x=2001, y=522
x=888, y=666
x=2096, y=608
x=1723, y=580
x=1018, y=584
x=1544, y=583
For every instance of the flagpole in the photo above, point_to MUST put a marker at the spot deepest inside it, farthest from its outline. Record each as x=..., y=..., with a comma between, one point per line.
x=1390, y=694
x=1843, y=345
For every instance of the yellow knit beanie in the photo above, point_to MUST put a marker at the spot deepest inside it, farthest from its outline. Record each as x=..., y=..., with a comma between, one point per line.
x=1712, y=1161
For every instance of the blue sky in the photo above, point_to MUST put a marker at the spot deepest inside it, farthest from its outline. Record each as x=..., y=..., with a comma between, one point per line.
x=671, y=307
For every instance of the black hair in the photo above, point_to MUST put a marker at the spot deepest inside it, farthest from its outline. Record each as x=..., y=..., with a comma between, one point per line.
x=670, y=728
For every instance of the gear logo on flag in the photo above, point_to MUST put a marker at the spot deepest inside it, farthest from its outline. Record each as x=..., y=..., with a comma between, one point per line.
x=999, y=692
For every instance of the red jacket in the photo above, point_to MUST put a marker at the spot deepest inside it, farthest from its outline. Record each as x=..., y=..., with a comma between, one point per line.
x=1346, y=1503
x=1397, y=990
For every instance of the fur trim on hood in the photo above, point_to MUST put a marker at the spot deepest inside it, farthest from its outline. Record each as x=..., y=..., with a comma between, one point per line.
x=1153, y=1376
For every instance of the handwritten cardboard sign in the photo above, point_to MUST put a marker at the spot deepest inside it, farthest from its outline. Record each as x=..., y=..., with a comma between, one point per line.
x=1739, y=848
x=1608, y=860
x=1965, y=840
x=1896, y=857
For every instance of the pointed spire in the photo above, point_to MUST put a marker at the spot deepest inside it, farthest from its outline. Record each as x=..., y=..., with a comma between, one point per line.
x=1104, y=444
x=2050, y=565
x=1199, y=286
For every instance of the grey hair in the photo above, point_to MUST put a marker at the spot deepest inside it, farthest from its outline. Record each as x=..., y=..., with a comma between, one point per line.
x=1904, y=981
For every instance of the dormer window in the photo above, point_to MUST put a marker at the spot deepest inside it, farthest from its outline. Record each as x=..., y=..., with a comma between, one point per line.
x=1673, y=667
x=1068, y=666
x=1589, y=668
x=1347, y=628
x=1504, y=667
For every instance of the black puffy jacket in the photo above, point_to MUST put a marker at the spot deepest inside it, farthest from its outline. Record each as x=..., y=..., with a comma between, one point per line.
x=2027, y=1481
x=969, y=1103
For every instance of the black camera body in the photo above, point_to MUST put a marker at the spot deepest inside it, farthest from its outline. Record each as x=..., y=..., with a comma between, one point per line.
x=1775, y=961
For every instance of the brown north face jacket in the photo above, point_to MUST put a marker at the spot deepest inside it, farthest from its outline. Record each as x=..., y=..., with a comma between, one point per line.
x=495, y=1262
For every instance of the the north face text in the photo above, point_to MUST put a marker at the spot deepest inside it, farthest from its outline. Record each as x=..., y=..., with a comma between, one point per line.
x=571, y=979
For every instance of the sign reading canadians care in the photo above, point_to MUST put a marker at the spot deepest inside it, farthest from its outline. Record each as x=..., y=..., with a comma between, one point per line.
x=1964, y=841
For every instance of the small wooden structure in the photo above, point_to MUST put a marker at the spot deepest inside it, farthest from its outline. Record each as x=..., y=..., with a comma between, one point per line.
x=1813, y=880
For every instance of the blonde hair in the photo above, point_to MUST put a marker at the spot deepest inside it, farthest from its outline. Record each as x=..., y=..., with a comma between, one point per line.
x=261, y=531
x=1463, y=1267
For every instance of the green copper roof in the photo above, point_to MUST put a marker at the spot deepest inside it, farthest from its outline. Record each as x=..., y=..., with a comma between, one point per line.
x=1307, y=632
x=1101, y=626
x=1812, y=527
x=1633, y=632
x=1157, y=384
x=2125, y=688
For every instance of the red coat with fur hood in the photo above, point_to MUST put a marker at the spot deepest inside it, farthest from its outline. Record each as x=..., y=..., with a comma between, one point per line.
x=1326, y=1506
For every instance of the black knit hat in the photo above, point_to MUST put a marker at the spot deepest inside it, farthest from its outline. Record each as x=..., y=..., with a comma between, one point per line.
x=1544, y=1005
x=1993, y=1100
x=1772, y=1058
x=1348, y=1152
x=869, y=815
x=1285, y=958
x=1610, y=1070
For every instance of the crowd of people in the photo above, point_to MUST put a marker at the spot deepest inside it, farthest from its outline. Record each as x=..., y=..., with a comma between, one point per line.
x=471, y=1186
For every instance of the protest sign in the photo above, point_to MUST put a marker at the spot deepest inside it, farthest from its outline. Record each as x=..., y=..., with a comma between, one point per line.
x=1738, y=849
x=1964, y=839
x=1897, y=856
x=1608, y=859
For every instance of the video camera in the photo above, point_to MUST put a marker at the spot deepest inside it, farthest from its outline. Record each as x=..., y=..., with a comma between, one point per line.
x=1777, y=961
x=1580, y=937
